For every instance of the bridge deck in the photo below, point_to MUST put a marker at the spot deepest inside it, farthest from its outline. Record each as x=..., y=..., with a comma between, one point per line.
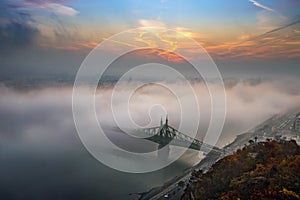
x=166, y=134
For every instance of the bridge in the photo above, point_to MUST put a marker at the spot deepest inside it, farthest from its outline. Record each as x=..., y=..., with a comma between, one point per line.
x=164, y=134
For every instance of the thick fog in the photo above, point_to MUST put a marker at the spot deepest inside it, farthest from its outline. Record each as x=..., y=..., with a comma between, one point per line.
x=42, y=156
x=46, y=112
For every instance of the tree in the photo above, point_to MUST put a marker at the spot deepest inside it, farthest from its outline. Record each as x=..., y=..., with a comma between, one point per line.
x=272, y=174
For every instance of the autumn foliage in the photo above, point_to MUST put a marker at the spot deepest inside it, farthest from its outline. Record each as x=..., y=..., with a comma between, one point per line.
x=265, y=170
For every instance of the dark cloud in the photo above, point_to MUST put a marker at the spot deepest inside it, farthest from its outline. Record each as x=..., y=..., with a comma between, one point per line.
x=42, y=2
x=11, y=12
x=16, y=30
x=19, y=21
x=16, y=34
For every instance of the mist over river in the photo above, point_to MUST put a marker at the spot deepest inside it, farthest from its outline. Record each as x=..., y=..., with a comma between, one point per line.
x=42, y=156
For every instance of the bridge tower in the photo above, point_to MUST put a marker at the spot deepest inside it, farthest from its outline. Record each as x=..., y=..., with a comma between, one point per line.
x=167, y=120
x=163, y=154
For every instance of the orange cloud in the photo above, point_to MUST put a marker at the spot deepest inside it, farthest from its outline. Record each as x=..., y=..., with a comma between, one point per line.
x=164, y=44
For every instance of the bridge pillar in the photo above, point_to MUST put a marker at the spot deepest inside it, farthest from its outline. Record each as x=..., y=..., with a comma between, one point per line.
x=163, y=155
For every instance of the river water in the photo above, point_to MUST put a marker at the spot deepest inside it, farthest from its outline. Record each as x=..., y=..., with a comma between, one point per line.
x=61, y=168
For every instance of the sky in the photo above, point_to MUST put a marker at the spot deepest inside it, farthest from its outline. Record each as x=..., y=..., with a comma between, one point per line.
x=51, y=38
x=254, y=43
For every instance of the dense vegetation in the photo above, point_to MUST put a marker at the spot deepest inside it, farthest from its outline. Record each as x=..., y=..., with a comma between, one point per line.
x=265, y=170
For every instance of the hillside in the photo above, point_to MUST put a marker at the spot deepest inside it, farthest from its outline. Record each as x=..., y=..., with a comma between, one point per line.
x=264, y=170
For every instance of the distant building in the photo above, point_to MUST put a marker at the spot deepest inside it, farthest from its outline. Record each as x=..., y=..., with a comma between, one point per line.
x=297, y=123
